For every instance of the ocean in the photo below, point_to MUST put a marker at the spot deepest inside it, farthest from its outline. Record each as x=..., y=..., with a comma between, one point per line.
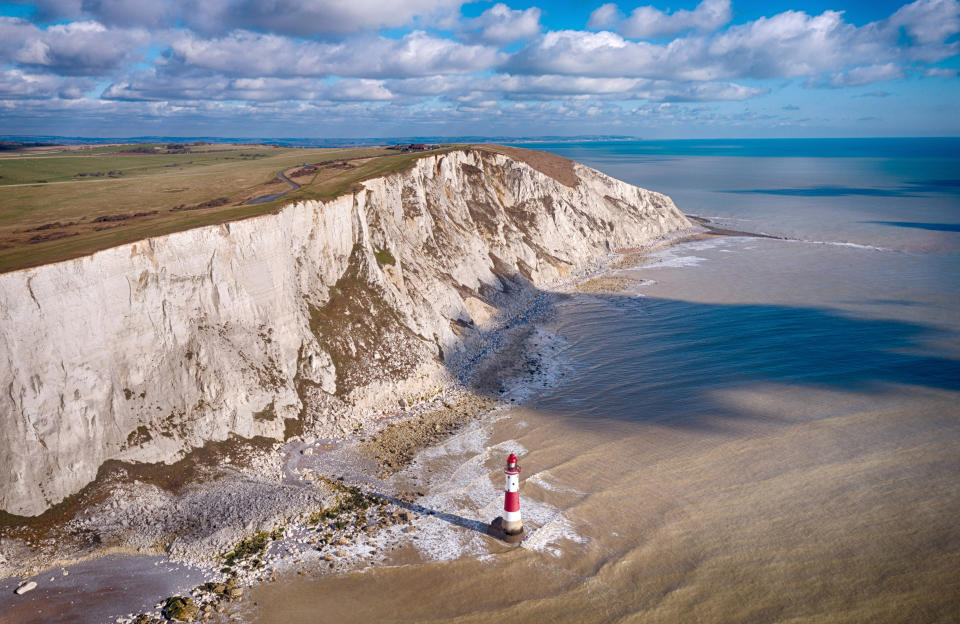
x=758, y=430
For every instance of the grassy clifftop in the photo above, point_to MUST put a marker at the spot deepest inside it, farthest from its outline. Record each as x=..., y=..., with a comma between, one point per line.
x=62, y=203
x=59, y=203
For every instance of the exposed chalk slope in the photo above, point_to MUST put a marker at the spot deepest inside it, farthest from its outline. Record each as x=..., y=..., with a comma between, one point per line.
x=322, y=312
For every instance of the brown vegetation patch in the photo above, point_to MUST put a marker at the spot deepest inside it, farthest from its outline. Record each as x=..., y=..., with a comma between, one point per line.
x=365, y=337
x=266, y=414
x=303, y=171
x=197, y=466
x=50, y=226
x=210, y=203
x=123, y=217
x=557, y=167
x=49, y=236
x=471, y=170
x=341, y=164
x=395, y=446
x=629, y=259
x=139, y=149
x=600, y=285
x=484, y=215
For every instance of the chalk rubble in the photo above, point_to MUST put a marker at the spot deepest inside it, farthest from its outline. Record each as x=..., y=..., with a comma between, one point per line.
x=29, y=586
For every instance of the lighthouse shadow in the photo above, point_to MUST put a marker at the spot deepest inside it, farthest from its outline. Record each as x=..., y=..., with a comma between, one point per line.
x=421, y=510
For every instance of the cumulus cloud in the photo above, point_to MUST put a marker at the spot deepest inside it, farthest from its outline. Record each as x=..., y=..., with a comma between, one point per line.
x=293, y=17
x=549, y=87
x=648, y=22
x=861, y=76
x=230, y=57
x=16, y=84
x=76, y=48
x=500, y=24
x=928, y=22
x=245, y=53
x=940, y=72
x=788, y=45
x=149, y=86
x=606, y=16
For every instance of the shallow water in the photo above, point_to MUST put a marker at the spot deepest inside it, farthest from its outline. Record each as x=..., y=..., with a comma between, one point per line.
x=93, y=589
x=764, y=430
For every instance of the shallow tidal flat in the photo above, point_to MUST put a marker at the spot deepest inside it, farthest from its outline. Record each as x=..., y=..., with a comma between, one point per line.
x=818, y=521
x=720, y=452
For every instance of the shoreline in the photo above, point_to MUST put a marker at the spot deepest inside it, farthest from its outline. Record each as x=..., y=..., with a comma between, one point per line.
x=301, y=464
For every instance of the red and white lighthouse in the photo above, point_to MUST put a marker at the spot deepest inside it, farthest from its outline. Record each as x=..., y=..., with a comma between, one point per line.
x=512, y=524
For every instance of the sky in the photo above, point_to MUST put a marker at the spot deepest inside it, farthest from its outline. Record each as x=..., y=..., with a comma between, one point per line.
x=379, y=68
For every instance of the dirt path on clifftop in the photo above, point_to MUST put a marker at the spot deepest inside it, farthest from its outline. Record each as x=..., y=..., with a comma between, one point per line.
x=268, y=198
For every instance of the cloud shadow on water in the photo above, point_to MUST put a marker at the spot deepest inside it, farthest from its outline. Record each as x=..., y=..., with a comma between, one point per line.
x=911, y=189
x=934, y=227
x=664, y=360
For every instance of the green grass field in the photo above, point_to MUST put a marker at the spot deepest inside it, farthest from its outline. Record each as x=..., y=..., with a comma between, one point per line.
x=62, y=203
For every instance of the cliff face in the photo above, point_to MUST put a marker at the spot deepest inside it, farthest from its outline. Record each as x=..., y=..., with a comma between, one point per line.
x=322, y=312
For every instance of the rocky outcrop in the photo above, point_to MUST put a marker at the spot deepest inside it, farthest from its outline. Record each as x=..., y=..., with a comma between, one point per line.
x=315, y=315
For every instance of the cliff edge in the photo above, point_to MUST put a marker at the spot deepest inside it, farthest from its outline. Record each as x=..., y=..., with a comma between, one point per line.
x=311, y=317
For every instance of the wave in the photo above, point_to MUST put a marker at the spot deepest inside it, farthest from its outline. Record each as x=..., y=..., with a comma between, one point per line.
x=838, y=244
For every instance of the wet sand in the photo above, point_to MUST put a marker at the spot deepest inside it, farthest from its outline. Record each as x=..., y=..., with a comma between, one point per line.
x=134, y=581
x=843, y=519
x=710, y=459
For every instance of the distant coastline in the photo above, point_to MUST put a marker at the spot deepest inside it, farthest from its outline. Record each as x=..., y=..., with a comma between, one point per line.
x=34, y=139
x=845, y=147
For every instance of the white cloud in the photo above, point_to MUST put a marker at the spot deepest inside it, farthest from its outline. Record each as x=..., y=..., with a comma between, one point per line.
x=75, y=48
x=294, y=17
x=606, y=16
x=647, y=22
x=500, y=24
x=576, y=52
x=788, y=45
x=863, y=75
x=338, y=17
x=550, y=87
x=15, y=84
x=245, y=53
x=149, y=86
x=928, y=21
x=244, y=57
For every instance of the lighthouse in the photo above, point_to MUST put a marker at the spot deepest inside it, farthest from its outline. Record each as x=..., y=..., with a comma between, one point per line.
x=509, y=527
x=512, y=524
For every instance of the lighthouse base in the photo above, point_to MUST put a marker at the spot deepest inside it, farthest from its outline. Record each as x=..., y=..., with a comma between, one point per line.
x=495, y=529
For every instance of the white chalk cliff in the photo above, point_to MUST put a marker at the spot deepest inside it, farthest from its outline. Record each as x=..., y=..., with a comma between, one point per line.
x=321, y=312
